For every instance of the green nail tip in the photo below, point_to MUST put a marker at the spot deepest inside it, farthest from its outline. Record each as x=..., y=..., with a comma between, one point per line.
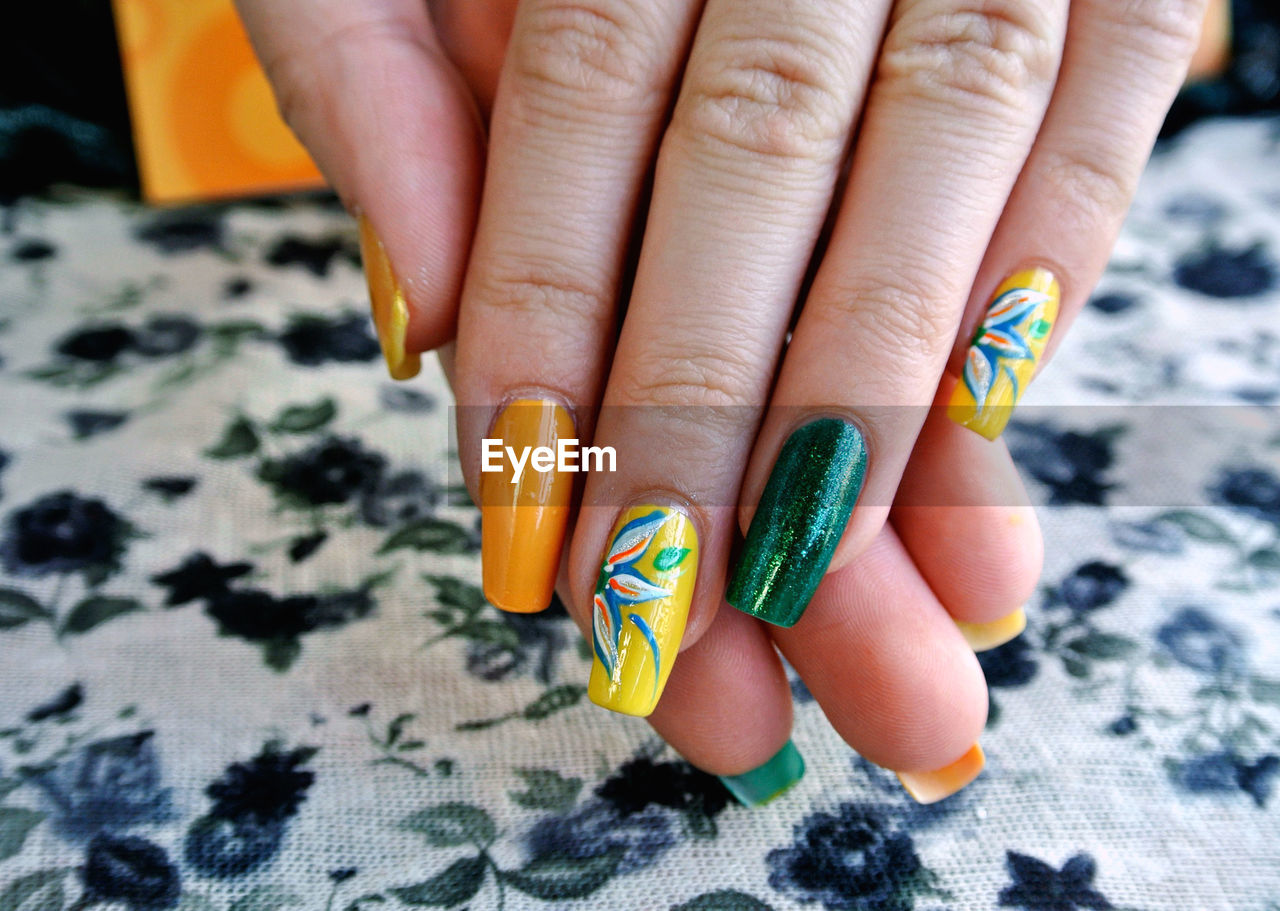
x=799, y=521
x=773, y=779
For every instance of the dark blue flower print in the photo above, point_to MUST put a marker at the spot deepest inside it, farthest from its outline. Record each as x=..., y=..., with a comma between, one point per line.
x=596, y=828
x=236, y=287
x=399, y=398
x=61, y=533
x=130, y=870
x=1251, y=490
x=677, y=785
x=32, y=249
x=1011, y=664
x=315, y=340
x=182, y=230
x=165, y=336
x=100, y=344
x=199, y=577
x=1090, y=586
x=59, y=706
x=399, y=499
x=1226, y=770
x=1257, y=779
x=333, y=470
x=1217, y=271
x=304, y=546
x=1113, y=303
x=260, y=616
x=220, y=847
x=315, y=256
x=1037, y=886
x=252, y=804
x=1213, y=772
x=851, y=859
x=1155, y=537
x=89, y=423
x=170, y=487
x=105, y=786
x=1196, y=640
x=1070, y=464
x=1123, y=726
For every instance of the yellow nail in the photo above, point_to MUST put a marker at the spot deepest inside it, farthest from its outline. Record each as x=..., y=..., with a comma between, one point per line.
x=1005, y=350
x=522, y=524
x=984, y=636
x=390, y=308
x=640, y=607
x=930, y=787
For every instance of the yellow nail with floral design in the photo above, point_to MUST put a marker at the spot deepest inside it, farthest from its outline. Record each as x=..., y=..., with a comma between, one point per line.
x=390, y=307
x=640, y=606
x=1004, y=352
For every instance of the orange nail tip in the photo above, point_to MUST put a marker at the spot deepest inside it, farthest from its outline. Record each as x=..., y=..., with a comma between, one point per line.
x=1005, y=350
x=389, y=304
x=985, y=636
x=522, y=524
x=930, y=787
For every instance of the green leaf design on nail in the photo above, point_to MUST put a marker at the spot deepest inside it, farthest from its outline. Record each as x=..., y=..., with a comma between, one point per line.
x=669, y=558
x=1039, y=329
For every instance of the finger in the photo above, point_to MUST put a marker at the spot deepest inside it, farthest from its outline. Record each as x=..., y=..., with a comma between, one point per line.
x=578, y=112
x=368, y=91
x=1123, y=65
x=743, y=181
x=964, y=517
x=892, y=673
x=475, y=34
x=951, y=115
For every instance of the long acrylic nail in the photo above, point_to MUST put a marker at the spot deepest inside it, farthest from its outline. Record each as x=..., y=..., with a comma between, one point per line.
x=985, y=636
x=640, y=606
x=930, y=787
x=1004, y=352
x=801, y=516
x=769, y=781
x=390, y=307
x=523, y=523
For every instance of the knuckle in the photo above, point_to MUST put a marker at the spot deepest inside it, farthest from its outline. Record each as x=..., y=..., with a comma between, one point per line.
x=994, y=53
x=768, y=97
x=701, y=376
x=893, y=323
x=599, y=52
x=1167, y=30
x=553, y=293
x=1093, y=181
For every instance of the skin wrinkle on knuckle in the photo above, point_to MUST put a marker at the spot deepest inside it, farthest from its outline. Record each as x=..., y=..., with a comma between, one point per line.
x=772, y=98
x=983, y=53
x=1163, y=30
x=596, y=56
x=1089, y=183
x=550, y=293
x=704, y=377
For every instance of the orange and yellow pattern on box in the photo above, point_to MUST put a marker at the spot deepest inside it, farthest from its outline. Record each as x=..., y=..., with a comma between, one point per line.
x=204, y=122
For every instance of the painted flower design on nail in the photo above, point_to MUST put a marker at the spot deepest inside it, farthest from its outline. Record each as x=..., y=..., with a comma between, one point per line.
x=999, y=341
x=623, y=585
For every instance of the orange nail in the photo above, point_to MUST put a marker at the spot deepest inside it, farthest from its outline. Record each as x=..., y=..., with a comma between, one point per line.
x=390, y=308
x=930, y=787
x=523, y=523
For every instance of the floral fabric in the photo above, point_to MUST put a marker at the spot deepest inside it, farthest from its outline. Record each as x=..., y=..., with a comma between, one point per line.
x=245, y=665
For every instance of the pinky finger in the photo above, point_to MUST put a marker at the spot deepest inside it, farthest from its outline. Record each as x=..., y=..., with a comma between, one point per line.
x=392, y=125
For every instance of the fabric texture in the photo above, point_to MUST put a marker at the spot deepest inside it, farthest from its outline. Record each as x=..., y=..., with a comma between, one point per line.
x=245, y=664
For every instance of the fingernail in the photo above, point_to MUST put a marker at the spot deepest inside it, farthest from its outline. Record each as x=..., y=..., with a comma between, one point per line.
x=522, y=524
x=1002, y=357
x=771, y=780
x=640, y=606
x=390, y=308
x=799, y=521
x=930, y=787
x=984, y=636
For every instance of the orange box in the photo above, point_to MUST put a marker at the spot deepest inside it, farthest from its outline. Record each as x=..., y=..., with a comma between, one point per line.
x=205, y=124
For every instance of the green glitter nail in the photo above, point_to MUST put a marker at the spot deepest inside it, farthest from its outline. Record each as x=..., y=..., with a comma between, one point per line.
x=799, y=521
x=769, y=781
